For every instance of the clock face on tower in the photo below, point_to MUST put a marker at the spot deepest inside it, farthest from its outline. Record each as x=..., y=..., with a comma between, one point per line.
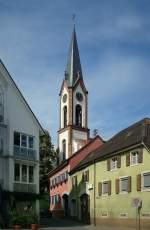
x=65, y=98
x=79, y=96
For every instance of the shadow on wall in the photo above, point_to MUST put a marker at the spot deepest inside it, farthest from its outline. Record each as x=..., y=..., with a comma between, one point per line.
x=80, y=203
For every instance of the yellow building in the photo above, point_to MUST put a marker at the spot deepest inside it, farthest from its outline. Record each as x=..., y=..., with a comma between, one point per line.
x=112, y=185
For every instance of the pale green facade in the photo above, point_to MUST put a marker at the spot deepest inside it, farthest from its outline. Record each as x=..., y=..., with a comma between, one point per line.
x=113, y=208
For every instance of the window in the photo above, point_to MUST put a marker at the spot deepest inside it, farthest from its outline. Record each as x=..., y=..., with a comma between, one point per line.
x=124, y=184
x=64, y=149
x=30, y=142
x=105, y=188
x=65, y=116
x=23, y=140
x=16, y=138
x=146, y=180
x=31, y=179
x=85, y=176
x=17, y=172
x=113, y=163
x=78, y=115
x=134, y=158
x=24, y=173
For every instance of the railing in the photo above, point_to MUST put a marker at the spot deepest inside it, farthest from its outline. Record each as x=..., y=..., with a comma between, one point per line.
x=3, y=138
x=23, y=187
x=22, y=152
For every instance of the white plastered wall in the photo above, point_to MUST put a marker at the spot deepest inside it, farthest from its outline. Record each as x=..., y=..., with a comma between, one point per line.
x=63, y=136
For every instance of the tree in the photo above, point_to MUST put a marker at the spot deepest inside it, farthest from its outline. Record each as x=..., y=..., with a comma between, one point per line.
x=48, y=158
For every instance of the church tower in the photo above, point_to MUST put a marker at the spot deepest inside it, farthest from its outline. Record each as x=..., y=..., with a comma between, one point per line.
x=73, y=131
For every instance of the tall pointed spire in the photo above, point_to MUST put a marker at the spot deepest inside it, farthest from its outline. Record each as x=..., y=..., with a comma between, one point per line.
x=73, y=68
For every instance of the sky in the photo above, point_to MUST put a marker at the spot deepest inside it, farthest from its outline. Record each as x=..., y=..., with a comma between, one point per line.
x=114, y=44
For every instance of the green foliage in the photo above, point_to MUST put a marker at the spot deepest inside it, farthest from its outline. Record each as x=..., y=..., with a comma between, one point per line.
x=47, y=158
x=23, y=219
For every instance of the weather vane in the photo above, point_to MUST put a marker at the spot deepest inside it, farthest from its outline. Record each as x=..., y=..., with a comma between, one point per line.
x=73, y=18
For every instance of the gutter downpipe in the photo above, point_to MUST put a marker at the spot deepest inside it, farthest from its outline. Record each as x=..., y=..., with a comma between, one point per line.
x=94, y=193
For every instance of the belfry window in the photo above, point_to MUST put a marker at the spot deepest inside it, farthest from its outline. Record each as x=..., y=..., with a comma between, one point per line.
x=65, y=116
x=1, y=106
x=78, y=115
x=64, y=149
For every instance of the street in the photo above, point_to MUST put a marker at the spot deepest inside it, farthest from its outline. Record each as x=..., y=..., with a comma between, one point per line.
x=61, y=224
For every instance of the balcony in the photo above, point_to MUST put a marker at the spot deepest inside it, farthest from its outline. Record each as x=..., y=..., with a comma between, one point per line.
x=25, y=153
x=24, y=187
x=3, y=138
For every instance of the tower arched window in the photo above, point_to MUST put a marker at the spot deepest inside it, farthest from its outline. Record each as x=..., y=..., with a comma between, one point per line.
x=1, y=105
x=65, y=116
x=64, y=149
x=79, y=115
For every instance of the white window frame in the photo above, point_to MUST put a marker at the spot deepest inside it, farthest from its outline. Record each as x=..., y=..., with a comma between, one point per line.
x=120, y=190
x=20, y=177
x=103, y=182
x=113, y=167
x=27, y=136
x=131, y=158
x=142, y=181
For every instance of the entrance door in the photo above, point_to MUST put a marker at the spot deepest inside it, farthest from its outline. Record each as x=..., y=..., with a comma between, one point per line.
x=85, y=209
x=65, y=204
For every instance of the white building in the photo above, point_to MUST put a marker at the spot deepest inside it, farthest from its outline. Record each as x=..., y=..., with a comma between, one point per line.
x=19, y=145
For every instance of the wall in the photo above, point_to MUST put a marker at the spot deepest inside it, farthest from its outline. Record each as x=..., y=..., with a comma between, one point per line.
x=19, y=118
x=107, y=209
x=123, y=201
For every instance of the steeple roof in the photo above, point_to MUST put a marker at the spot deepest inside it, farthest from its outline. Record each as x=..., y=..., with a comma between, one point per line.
x=73, y=69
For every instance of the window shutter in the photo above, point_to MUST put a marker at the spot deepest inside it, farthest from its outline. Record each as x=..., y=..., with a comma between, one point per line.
x=139, y=182
x=127, y=159
x=108, y=165
x=118, y=161
x=99, y=188
x=140, y=156
x=87, y=175
x=109, y=187
x=117, y=186
x=129, y=183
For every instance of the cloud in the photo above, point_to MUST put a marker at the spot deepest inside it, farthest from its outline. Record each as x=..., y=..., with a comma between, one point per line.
x=113, y=39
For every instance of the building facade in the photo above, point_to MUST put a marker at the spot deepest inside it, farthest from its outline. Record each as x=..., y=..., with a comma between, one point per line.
x=112, y=181
x=60, y=181
x=19, y=147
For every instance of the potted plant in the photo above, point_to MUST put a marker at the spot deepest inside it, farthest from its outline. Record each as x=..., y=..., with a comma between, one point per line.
x=34, y=224
x=16, y=220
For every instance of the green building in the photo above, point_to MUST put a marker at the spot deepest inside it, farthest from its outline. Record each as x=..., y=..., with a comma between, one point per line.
x=111, y=186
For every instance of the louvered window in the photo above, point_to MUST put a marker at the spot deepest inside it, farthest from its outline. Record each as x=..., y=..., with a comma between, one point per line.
x=124, y=184
x=105, y=187
x=146, y=180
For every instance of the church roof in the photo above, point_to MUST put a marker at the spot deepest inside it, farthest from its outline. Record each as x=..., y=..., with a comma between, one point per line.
x=73, y=69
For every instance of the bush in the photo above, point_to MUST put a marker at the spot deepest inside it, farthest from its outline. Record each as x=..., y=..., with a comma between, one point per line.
x=24, y=219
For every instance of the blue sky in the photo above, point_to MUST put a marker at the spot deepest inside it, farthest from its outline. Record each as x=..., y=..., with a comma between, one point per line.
x=114, y=43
